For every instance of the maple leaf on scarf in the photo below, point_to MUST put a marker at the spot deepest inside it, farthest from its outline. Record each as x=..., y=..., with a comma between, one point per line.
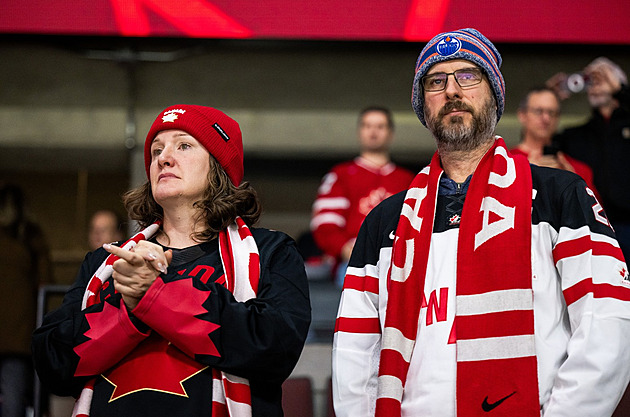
x=175, y=314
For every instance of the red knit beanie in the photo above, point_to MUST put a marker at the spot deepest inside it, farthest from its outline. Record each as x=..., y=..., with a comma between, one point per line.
x=216, y=131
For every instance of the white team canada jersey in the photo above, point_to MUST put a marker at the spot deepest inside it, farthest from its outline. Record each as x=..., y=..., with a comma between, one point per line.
x=581, y=308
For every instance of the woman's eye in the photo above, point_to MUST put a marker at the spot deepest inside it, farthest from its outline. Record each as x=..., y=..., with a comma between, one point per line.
x=185, y=146
x=156, y=151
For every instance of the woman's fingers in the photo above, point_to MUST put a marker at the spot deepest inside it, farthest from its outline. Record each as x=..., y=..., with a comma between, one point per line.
x=137, y=269
x=143, y=253
x=129, y=256
x=153, y=254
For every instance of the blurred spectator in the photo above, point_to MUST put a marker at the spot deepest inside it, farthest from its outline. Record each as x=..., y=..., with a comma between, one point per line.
x=603, y=142
x=351, y=189
x=105, y=227
x=24, y=265
x=539, y=113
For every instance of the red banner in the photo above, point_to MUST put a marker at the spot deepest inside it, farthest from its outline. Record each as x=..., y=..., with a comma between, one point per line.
x=558, y=21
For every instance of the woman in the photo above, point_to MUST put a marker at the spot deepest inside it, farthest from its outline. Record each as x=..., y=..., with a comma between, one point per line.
x=203, y=316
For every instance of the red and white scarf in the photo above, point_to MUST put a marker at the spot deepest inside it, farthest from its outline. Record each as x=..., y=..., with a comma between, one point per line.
x=494, y=321
x=231, y=396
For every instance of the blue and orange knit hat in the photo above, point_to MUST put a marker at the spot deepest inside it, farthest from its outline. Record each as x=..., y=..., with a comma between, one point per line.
x=215, y=130
x=468, y=44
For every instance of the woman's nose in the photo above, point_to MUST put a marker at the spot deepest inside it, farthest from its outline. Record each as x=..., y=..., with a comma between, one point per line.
x=165, y=158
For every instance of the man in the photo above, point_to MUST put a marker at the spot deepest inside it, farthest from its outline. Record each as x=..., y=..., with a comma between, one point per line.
x=604, y=142
x=491, y=284
x=105, y=227
x=351, y=189
x=538, y=113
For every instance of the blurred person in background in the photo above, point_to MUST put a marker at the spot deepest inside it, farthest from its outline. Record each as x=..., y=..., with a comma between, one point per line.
x=105, y=227
x=603, y=142
x=200, y=313
x=539, y=114
x=351, y=189
x=24, y=266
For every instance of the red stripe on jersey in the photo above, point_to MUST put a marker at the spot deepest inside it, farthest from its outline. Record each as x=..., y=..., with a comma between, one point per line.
x=506, y=323
x=358, y=325
x=584, y=287
x=354, y=282
x=581, y=245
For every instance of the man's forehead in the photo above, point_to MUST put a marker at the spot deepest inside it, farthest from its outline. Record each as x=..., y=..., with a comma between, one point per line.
x=453, y=64
x=543, y=97
x=374, y=116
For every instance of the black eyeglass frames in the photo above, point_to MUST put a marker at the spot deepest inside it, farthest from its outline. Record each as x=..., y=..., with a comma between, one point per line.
x=465, y=77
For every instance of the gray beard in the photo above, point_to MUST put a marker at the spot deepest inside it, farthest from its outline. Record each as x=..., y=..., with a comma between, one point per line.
x=455, y=135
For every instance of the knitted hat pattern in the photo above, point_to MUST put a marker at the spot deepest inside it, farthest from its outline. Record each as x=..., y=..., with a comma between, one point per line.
x=216, y=131
x=468, y=44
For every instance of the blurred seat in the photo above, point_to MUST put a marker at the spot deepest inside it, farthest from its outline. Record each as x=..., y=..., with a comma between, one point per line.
x=297, y=397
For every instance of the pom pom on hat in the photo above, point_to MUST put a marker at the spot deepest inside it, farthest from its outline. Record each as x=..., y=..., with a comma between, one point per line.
x=216, y=131
x=468, y=44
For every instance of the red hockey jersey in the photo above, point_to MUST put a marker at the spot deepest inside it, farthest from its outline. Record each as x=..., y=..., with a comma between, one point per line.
x=347, y=194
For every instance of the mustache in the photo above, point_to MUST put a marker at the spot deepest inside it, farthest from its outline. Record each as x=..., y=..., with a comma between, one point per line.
x=455, y=105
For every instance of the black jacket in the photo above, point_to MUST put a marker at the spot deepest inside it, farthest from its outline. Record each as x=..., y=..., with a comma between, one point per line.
x=605, y=145
x=165, y=368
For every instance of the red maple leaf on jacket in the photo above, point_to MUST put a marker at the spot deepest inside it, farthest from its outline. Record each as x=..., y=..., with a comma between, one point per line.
x=154, y=365
x=172, y=310
x=111, y=336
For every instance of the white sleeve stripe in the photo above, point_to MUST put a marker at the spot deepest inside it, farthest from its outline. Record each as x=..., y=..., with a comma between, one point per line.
x=353, y=305
x=332, y=203
x=366, y=271
x=575, y=234
x=327, y=218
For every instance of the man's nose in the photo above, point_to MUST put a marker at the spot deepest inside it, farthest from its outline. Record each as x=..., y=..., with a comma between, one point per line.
x=452, y=88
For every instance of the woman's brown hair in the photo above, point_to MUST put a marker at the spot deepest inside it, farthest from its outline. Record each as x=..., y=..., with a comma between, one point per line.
x=222, y=202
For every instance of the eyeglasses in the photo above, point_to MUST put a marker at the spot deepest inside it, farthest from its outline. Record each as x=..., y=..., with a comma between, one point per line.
x=465, y=77
x=538, y=111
